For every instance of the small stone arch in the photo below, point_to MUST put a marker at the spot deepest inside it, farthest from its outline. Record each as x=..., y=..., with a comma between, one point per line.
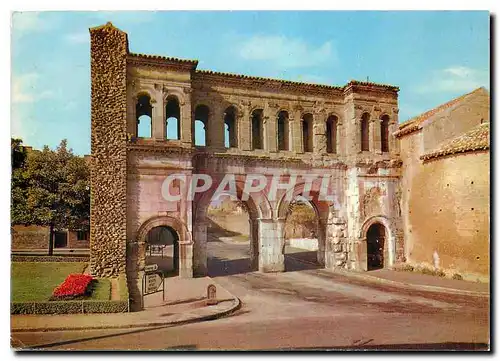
x=168, y=221
x=390, y=241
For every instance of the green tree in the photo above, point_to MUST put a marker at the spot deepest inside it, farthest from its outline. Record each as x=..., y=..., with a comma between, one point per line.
x=55, y=193
x=17, y=152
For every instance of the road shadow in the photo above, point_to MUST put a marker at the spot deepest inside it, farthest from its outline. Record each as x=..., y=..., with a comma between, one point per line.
x=301, y=261
x=225, y=267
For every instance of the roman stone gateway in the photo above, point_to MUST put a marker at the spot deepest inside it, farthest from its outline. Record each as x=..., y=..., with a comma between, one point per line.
x=145, y=110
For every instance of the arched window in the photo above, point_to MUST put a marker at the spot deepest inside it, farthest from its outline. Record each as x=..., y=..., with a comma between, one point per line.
x=144, y=115
x=365, y=132
x=384, y=133
x=307, y=132
x=201, y=115
x=173, y=118
x=257, y=131
x=230, y=130
x=331, y=134
x=283, y=143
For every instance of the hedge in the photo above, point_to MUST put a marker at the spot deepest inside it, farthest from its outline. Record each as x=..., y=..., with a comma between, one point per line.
x=27, y=258
x=65, y=307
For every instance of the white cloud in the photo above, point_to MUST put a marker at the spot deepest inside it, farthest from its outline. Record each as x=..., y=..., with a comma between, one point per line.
x=29, y=21
x=455, y=79
x=81, y=37
x=286, y=52
x=25, y=89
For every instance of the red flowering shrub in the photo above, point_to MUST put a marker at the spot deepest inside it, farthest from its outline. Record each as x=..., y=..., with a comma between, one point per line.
x=73, y=286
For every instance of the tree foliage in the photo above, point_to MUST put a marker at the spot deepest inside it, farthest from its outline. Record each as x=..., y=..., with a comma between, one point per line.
x=52, y=188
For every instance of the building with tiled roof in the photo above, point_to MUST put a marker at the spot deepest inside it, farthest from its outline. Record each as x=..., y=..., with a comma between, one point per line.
x=477, y=139
x=445, y=185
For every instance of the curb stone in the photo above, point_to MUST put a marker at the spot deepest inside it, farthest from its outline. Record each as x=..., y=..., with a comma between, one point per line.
x=236, y=305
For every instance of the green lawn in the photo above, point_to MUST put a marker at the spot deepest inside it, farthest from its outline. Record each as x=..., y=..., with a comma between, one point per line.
x=35, y=281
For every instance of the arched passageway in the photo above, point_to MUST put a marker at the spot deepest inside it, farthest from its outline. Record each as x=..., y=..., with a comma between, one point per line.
x=229, y=242
x=162, y=248
x=375, y=246
x=301, y=235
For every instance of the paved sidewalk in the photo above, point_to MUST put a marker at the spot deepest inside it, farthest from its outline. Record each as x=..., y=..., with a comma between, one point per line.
x=421, y=282
x=184, y=303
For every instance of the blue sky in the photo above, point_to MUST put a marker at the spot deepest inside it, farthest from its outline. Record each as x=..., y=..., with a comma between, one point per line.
x=431, y=56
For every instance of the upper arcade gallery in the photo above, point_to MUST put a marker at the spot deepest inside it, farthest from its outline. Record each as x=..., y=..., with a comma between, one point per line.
x=169, y=101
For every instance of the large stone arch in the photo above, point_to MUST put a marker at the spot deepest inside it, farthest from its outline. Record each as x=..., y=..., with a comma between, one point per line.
x=390, y=240
x=321, y=208
x=257, y=206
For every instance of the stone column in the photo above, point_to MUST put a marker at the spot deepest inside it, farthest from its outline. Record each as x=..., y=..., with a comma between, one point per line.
x=394, y=146
x=271, y=131
x=186, y=120
x=158, y=119
x=377, y=138
x=322, y=224
x=200, y=248
x=245, y=129
x=271, y=257
x=215, y=127
x=254, y=243
x=319, y=135
x=296, y=125
x=341, y=135
x=336, y=246
x=185, y=260
x=371, y=139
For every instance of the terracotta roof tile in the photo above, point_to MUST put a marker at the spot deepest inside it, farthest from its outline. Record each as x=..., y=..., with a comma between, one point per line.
x=478, y=138
x=258, y=78
x=164, y=58
x=415, y=123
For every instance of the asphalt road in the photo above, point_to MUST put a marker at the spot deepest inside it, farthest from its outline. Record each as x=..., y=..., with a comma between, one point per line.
x=303, y=308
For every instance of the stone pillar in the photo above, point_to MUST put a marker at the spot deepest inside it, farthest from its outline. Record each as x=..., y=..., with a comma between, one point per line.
x=394, y=146
x=319, y=135
x=215, y=127
x=186, y=120
x=271, y=131
x=336, y=250
x=341, y=138
x=185, y=259
x=254, y=243
x=377, y=138
x=200, y=249
x=245, y=130
x=322, y=224
x=296, y=125
x=158, y=119
x=372, y=126
x=271, y=257
x=108, y=170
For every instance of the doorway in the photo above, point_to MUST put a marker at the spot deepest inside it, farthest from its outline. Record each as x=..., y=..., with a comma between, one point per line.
x=162, y=248
x=375, y=244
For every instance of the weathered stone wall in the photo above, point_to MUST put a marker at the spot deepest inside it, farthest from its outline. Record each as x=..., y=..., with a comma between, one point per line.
x=456, y=120
x=29, y=237
x=109, y=48
x=450, y=207
x=434, y=193
x=74, y=242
